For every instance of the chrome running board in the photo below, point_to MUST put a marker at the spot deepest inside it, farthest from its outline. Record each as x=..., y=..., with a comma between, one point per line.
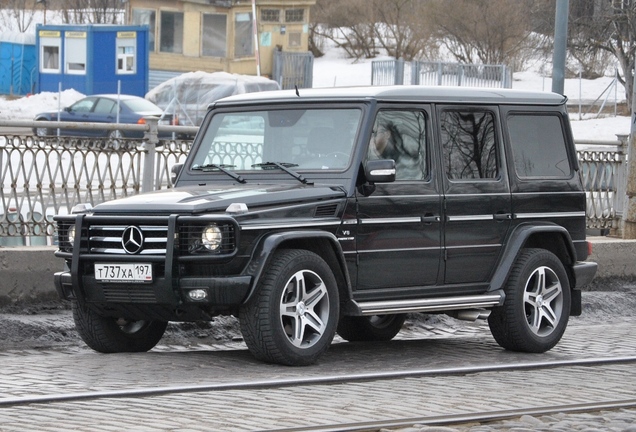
x=488, y=300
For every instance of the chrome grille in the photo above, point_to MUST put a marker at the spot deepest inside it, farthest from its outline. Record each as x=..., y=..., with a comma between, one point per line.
x=107, y=239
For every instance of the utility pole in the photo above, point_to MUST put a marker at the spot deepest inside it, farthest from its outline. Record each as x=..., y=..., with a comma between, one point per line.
x=560, y=45
x=628, y=227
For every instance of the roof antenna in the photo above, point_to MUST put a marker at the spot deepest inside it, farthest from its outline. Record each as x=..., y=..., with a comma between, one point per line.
x=296, y=87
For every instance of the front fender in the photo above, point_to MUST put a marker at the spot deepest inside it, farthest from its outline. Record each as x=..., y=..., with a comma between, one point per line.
x=270, y=243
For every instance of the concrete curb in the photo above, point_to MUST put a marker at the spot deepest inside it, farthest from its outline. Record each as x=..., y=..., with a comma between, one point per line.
x=26, y=273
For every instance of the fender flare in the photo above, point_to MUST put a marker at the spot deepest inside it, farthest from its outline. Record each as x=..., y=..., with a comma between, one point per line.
x=516, y=241
x=270, y=243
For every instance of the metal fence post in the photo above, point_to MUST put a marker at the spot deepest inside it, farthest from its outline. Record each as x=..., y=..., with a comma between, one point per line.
x=399, y=72
x=151, y=139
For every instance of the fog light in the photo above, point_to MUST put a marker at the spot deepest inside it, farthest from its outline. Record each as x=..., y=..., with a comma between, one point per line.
x=198, y=294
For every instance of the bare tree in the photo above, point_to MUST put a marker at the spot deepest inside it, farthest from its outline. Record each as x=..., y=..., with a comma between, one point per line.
x=607, y=27
x=403, y=28
x=93, y=12
x=347, y=24
x=17, y=14
x=489, y=32
x=361, y=27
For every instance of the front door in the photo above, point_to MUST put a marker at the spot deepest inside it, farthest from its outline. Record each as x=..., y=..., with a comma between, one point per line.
x=399, y=225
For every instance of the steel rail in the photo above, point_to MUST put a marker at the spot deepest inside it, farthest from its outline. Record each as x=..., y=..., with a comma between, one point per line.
x=296, y=382
x=457, y=419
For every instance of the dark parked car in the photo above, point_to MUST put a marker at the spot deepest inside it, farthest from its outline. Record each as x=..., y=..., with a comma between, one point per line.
x=311, y=212
x=103, y=109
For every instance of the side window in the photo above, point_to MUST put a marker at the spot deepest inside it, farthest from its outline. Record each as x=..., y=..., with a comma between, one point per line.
x=401, y=135
x=468, y=142
x=83, y=106
x=538, y=146
x=104, y=106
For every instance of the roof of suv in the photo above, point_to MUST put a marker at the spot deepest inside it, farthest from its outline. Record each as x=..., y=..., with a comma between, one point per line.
x=404, y=93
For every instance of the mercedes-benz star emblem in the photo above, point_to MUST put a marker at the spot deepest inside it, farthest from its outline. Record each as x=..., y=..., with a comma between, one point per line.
x=132, y=240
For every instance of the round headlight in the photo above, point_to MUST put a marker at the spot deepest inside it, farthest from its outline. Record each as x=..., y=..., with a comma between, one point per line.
x=211, y=237
x=70, y=234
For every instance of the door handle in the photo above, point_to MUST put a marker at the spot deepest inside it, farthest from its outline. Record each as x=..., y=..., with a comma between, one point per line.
x=429, y=218
x=501, y=216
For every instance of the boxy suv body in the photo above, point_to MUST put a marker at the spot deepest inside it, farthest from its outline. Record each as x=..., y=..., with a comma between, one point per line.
x=310, y=212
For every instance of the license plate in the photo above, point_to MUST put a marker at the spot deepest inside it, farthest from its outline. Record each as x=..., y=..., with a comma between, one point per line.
x=123, y=272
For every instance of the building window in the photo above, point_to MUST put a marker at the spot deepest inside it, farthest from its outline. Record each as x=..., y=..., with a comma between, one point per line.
x=50, y=55
x=171, y=38
x=294, y=15
x=75, y=46
x=243, y=37
x=214, y=35
x=146, y=17
x=126, y=52
x=270, y=15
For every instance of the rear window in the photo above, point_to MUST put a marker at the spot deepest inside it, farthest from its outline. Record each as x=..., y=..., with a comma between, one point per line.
x=141, y=105
x=538, y=146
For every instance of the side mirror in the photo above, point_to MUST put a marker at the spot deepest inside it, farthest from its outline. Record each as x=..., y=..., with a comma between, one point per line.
x=380, y=171
x=174, y=172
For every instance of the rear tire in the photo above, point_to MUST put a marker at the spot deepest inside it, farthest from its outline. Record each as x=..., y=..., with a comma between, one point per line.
x=536, y=310
x=291, y=318
x=112, y=335
x=370, y=328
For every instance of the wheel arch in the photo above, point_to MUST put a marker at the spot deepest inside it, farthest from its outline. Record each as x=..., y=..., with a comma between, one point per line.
x=551, y=237
x=322, y=243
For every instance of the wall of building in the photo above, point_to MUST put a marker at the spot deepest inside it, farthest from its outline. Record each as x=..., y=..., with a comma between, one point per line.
x=281, y=35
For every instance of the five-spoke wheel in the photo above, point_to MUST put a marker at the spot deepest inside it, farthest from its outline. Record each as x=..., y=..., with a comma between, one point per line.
x=537, y=305
x=291, y=318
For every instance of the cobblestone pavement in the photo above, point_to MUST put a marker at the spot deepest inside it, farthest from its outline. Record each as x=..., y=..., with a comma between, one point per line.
x=422, y=345
x=76, y=370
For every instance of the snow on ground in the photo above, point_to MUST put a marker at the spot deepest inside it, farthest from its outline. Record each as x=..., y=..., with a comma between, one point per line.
x=334, y=70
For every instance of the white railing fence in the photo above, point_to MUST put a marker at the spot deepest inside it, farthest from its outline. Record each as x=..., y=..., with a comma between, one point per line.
x=42, y=177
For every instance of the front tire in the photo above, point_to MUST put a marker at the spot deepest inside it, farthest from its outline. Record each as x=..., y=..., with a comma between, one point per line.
x=536, y=310
x=112, y=335
x=42, y=132
x=291, y=318
x=371, y=328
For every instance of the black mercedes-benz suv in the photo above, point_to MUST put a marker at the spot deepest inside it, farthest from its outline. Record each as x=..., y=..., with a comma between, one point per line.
x=341, y=210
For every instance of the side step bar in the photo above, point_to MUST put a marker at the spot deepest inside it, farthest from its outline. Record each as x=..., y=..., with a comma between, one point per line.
x=488, y=300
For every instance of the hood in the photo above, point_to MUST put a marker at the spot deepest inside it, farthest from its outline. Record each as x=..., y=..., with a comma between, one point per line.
x=200, y=199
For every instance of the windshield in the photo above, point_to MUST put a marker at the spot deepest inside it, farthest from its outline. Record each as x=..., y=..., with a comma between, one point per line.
x=301, y=139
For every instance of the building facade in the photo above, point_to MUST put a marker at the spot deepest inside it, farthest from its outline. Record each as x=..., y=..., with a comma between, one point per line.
x=218, y=35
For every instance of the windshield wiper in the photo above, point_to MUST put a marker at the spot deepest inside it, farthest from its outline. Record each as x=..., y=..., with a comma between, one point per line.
x=285, y=167
x=221, y=168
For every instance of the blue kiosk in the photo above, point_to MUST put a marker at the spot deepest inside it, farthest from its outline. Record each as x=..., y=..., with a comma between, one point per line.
x=17, y=63
x=92, y=59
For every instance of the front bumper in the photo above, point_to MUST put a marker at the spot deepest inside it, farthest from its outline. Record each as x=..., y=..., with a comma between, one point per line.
x=223, y=293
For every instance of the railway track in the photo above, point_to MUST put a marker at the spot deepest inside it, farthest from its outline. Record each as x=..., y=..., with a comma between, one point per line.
x=289, y=392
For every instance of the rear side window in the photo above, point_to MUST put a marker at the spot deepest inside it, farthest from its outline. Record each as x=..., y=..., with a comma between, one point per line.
x=538, y=146
x=469, y=144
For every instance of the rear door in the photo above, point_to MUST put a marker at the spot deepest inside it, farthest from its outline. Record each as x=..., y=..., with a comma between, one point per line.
x=477, y=203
